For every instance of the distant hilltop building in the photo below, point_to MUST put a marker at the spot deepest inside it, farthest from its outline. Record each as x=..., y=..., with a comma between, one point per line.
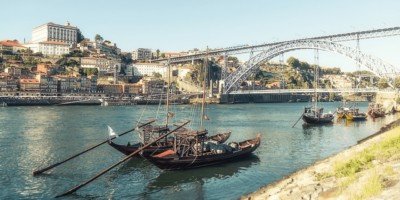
x=56, y=33
x=142, y=54
x=100, y=48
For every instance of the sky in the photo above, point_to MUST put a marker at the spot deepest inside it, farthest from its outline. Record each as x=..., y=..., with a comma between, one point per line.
x=174, y=26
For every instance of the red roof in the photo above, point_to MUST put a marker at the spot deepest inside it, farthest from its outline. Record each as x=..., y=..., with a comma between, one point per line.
x=10, y=43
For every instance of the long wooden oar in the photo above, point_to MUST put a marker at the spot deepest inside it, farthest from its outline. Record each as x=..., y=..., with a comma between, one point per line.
x=298, y=120
x=121, y=161
x=37, y=172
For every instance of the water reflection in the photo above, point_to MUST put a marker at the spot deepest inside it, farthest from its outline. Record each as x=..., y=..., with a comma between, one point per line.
x=201, y=175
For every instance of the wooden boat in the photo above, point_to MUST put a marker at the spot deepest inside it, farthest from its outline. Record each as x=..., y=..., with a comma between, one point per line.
x=342, y=110
x=191, y=148
x=355, y=115
x=192, y=151
x=376, y=110
x=314, y=115
x=162, y=146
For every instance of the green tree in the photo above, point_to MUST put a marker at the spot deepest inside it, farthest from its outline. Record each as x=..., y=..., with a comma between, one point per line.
x=304, y=66
x=383, y=83
x=158, y=53
x=293, y=62
x=162, y=55
x=157, y=75
x=80, y=36
x=98, y=38
x=397, y=82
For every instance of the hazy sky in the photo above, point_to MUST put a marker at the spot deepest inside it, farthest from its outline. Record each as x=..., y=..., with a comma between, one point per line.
x=182, y=25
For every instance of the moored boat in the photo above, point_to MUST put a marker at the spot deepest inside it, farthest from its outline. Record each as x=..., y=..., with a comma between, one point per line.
x=188, y=155
x=376, y=110
x=315, y=115
x=355, y=115
x=162, y=146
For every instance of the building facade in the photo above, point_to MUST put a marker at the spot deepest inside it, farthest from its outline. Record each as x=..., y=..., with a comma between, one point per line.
x=142, y=54
x=100, y=48
x=49, y=48
x=56, y=33
x=10, y=45
x=102, y=64
x=148, y=69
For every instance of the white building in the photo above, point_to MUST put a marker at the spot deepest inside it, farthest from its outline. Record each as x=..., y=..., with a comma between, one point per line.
x=102, y=64
x=147, y=69
x=11, y=45
x=100, y=48
x=55, y=32
x=49, y=48
x=142, y=54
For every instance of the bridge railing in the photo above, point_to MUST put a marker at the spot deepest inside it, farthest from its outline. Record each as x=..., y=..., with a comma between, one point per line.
x=289, y=91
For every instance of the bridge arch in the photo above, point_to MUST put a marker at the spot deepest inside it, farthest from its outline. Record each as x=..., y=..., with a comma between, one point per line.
x=373, y=64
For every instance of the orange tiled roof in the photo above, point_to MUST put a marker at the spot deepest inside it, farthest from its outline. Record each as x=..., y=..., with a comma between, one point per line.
x=14, y=61
x=10, y=43
x=28, y=81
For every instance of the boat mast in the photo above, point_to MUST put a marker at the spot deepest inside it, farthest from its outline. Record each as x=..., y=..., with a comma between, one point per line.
x=316, y=58
x=167, y=100
x=205, y=64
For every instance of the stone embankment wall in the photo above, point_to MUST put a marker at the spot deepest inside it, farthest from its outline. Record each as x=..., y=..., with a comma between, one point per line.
x=373, y=165
x=264, y=98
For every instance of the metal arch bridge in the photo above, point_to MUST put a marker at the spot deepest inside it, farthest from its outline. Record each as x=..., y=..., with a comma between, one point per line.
x=271, y=50
x=242, y=49
x=376, y=65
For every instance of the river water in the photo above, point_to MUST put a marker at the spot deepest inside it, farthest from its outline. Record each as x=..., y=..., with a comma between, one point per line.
x=35, y=137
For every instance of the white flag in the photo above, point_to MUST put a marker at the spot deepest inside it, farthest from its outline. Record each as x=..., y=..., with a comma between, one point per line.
x=111, y=132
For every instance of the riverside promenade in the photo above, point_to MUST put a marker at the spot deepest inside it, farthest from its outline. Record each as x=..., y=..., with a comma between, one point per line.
x=368, y=170
x=48, y=101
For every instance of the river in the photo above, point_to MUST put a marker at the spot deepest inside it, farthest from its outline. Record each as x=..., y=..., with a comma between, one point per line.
x=34, y=137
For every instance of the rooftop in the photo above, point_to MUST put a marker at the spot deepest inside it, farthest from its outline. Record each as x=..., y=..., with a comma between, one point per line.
x=11, y=43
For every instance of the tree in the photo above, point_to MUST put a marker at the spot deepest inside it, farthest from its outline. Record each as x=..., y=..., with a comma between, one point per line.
x=157, y=75
x=98, y=38
x=293, y=62
x=158, y=53
x=304, y=66
x=162, y=55
x=80, y=36
x=397, y=82
x=383, y=83
x=88, y=71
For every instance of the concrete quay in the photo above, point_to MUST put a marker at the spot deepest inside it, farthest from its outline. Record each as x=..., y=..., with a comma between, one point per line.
x=47, y=101
x=378, y=177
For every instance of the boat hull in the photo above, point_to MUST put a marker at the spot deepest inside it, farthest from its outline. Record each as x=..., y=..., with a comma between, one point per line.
x=152, y=150
x=174, y=162
x=311, y=119
x=356, y=117
x=128, y=149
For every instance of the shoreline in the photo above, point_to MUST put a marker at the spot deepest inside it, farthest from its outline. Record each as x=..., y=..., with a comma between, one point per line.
x=306, y=183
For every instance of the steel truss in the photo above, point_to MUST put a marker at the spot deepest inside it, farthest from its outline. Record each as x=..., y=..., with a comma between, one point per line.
x=374, y=64
x=376, y=33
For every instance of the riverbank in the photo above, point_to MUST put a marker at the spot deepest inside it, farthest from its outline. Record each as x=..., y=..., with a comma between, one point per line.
x=370, y=169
